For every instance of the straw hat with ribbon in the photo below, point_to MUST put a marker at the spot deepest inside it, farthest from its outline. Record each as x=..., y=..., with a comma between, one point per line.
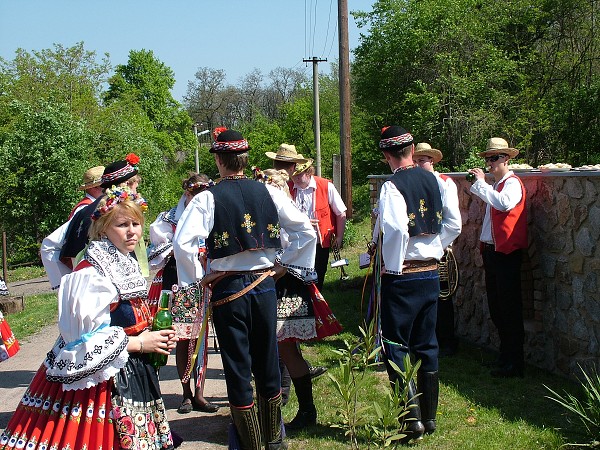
x=301, y=167
x=423, y=148
x=286, y=153
x=498, y=146
x=91, y=178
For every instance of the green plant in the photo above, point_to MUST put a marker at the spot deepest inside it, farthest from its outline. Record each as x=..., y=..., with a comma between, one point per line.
x=586, y=410
x=354, y=360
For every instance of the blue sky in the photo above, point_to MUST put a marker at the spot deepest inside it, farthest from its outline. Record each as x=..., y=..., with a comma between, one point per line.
x=234, y=35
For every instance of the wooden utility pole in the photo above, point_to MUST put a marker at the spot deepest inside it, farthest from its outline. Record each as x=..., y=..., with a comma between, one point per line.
x=316, y=120
x=345, y=142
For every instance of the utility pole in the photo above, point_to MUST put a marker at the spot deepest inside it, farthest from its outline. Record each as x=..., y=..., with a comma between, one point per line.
x=345, y=142
x=316, y=120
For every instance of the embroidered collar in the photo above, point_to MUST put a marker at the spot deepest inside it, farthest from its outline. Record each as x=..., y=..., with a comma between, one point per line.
x=232, y=177
x=410, y=166
x=122, y=270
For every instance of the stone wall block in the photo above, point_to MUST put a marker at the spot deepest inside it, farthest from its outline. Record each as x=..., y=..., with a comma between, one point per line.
x=580, y=213
x=594, y=222
x=584, y=242
x=563, y=208
x=591, y=193
x=576, y=262
x=563, y=301
x=574, y=188
x=548, y=265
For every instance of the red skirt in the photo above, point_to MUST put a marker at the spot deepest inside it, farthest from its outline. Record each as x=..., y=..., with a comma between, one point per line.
x=9, y=345
x=49, y=417
x=325, y=320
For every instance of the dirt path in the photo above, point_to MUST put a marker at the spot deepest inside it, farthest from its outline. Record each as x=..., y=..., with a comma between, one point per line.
x=199, y=430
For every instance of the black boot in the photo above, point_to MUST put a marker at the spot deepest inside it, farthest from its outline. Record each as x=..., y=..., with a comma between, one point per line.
x=429, y=387
x=411, y=422
x=247, y=426
x=307, y=413
x=270, y=421
x=286, y=382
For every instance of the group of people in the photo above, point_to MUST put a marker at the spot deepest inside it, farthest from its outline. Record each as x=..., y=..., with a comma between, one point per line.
x=417, y=220
x=250, y=255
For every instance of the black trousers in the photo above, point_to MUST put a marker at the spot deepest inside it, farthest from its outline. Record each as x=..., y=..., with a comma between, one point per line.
x=321, y=263
x=503, y=286
x=246, y=329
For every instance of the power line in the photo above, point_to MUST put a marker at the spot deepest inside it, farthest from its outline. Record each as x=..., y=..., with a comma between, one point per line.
x=327, y=34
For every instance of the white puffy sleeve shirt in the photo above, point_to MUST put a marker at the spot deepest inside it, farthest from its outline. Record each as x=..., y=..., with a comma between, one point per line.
x=507, y=199
x=197, y=222
x=451, y=220
x=88, y=351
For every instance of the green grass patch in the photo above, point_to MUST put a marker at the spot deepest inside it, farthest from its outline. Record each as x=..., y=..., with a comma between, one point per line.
x=40, y=310
x=25, y=273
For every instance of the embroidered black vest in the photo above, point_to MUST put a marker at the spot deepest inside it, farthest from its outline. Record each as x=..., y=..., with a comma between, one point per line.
x=76, y=237
x=421, y=193
x=245, y=218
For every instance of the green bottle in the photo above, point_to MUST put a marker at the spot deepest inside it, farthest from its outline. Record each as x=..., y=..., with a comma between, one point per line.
x=162, y=320
x=470, y=177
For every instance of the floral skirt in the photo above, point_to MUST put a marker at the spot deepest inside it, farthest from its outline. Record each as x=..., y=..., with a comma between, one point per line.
x=125, y=412
x=9, y=345
x=302, y=312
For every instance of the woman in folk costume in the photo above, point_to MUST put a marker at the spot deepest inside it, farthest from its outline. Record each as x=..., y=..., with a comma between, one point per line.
x=302, y=315
x=9, y=345
x=188, y=308
x=96, y=388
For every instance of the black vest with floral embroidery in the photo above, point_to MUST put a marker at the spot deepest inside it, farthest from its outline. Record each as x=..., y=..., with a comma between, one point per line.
x=245, y=218
x=421, y=193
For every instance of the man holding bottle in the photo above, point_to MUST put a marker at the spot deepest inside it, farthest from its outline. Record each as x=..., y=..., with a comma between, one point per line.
x=503, y=236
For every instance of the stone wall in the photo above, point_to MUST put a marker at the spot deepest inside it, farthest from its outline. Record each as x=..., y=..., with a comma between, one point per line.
x=560, y=271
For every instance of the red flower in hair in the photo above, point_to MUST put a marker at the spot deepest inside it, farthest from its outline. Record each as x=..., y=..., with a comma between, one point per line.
x=217, y=131
x=132, y=159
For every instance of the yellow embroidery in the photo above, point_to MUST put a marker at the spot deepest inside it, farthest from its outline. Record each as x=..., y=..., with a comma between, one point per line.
x=222, y=240
x=247, y=223
x=411, y=220
x=422, y=208
x=274, y=230
x=439, y=216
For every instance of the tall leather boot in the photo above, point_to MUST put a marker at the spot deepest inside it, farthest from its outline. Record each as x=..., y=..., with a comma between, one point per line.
x=307, y=413
x=413, y=427
x=269, y=411
x=429, y=387
x=286, y=382
x=247, y=426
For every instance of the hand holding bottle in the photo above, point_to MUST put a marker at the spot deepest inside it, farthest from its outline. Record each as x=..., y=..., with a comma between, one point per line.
x=475, y=174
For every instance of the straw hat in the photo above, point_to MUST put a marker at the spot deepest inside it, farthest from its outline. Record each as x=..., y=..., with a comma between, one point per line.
x=423, y=148
x=91, y=178
x=301, y=167
x=498, y=146
x=286, y=153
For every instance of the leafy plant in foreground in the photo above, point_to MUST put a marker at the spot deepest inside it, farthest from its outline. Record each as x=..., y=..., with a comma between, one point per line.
x=586, y=410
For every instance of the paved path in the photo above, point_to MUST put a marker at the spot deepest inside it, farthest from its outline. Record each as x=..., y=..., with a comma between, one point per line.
x=199, y=430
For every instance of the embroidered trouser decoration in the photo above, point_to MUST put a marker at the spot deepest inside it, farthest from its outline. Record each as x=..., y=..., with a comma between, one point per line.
x=247, y=426
x=270, y=420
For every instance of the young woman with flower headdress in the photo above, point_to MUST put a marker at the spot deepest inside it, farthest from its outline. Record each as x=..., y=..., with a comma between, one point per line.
x=188, y=307
x=96, y=387
x=302, y=315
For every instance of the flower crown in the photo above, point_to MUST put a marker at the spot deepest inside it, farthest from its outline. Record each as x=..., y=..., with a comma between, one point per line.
x=189, y=186
x=116, y=195
x=259, y=175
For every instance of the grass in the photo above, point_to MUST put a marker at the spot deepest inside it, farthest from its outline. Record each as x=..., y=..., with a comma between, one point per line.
x=25, y=273
x=475, y=412
x=40, y=310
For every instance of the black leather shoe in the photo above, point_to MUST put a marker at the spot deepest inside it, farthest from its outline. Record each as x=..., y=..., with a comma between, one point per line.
x=205, y=407
x=414, y=431
x=302, y=420
x=317, y=371
x=507, y=371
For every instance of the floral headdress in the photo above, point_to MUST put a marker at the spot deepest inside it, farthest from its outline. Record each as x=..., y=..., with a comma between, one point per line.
x=259, y=175
x=192, y=186
x=116, y=195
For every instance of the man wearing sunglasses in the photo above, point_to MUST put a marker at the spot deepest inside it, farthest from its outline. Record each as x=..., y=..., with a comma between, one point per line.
x=503, y=236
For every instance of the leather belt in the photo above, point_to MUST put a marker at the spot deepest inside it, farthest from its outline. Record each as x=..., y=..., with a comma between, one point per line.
x=419, y=266
x=262, y=276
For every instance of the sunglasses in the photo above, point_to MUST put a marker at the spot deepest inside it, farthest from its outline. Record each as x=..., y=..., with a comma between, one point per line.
x=494, y=158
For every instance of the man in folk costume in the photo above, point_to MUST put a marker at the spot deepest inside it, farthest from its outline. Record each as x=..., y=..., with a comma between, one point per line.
x=426, y=157
x=239, y=219
x=412, y=229
x=92, y=179
x=503, y=236
x=319, y=199
x=61, y=247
